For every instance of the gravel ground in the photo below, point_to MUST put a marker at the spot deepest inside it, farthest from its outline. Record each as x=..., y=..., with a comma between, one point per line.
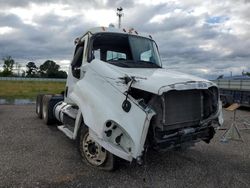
x=35, y=155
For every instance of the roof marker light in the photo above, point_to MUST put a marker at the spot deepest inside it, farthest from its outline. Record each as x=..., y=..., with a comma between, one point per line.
x=76, y=41
x=130, y=30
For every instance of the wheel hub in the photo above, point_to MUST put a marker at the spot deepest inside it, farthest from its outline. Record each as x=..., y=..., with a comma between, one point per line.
x=94, y=153
x=92, y=148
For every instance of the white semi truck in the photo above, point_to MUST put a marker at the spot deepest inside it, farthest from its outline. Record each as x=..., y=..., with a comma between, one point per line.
x=118, y=100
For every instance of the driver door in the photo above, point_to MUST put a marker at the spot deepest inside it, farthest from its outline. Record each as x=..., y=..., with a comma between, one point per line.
x=77, y=67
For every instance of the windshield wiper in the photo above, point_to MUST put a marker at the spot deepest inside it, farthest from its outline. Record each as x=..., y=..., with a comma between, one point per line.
x=134, y=64
x=148, y=63
x=118, y=63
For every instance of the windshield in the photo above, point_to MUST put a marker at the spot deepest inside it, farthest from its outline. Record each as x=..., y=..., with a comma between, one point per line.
x=125, y=50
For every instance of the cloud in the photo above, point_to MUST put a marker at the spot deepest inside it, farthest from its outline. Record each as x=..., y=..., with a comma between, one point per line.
x=76, y=4
x=205, y=38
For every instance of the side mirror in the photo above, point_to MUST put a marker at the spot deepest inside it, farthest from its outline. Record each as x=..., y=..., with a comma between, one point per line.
x=77, y=62
x=76, y=72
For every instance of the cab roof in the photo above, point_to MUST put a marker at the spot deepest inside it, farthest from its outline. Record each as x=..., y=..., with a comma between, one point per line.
x=131, y=31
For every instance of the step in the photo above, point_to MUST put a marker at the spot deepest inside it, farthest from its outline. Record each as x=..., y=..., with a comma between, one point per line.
x=66, y=131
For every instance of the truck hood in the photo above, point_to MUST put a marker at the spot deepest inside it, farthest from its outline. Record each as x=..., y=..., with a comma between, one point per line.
x=157, y=80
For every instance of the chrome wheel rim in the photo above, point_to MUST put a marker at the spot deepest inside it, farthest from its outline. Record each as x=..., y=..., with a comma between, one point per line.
x=94, y=153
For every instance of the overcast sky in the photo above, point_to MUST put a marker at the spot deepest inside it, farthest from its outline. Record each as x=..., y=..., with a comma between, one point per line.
x=204, y=38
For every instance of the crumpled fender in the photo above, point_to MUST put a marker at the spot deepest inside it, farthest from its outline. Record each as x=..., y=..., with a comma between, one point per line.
x=99, y=101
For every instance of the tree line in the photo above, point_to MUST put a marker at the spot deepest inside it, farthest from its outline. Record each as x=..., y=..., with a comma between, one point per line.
x=49, y=69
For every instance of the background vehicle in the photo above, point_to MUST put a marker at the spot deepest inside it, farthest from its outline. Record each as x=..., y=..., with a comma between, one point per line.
x=234, y=90
x=119, y=100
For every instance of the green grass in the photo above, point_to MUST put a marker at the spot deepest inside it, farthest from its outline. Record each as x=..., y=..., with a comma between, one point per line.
x=28, y=89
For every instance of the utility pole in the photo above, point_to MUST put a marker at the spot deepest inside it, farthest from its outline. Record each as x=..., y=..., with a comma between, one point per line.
x=119, y=14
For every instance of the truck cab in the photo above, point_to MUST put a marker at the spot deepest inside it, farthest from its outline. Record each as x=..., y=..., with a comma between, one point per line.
x=119, y=100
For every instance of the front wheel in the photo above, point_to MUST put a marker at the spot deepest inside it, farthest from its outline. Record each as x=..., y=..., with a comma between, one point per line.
x=94, y=154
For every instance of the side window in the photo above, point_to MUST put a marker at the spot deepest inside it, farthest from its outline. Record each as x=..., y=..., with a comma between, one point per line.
x=97, y=54
x=77, y=60
x=112, y=55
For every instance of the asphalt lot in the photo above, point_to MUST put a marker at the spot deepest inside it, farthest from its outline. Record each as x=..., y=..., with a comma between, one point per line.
x=34, y=155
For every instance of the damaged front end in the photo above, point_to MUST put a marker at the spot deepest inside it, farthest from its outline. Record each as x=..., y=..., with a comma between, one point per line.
x=177, y=116
x=184, y=115
x=143, y=111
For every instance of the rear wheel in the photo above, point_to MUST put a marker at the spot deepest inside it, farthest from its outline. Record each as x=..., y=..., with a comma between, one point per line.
x=226, y=100
x=47, y=112
x=39, y=105
x=48, y=104
x=94, y=154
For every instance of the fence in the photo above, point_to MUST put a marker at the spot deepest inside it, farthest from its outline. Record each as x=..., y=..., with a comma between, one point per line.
x=233, y=84
x=33, y=79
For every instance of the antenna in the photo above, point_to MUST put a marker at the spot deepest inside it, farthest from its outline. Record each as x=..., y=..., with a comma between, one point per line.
x=119, y=14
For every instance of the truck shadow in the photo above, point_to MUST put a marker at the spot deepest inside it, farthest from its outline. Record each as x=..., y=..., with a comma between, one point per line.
x=193, y=166
x=190, y=158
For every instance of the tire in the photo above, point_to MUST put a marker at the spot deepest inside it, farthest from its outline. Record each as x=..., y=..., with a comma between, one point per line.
x=48, y=104
x=47, y=112
x=93, y=154
x=226, y=100
x=39, y=105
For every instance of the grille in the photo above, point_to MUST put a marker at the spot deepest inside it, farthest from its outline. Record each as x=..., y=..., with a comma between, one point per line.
x=182, y=108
